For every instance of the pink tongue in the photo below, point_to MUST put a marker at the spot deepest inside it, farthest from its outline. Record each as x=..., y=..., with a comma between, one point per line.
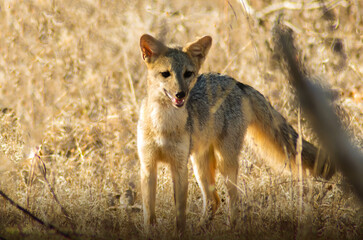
x=178, y=101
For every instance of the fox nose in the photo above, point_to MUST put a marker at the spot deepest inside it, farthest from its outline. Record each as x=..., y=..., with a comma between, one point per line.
x=180, y=95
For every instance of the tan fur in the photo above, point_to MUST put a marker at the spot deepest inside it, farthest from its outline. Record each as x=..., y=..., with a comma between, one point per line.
x=204, y=117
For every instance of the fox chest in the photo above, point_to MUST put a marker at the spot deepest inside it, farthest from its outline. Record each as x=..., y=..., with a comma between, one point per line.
x=167, y=147
x=163, y=133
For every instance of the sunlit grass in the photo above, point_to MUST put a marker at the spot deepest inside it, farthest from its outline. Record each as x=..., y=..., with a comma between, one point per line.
x=72, y=79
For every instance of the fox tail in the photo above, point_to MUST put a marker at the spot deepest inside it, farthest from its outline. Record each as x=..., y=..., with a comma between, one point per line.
x=278, y=139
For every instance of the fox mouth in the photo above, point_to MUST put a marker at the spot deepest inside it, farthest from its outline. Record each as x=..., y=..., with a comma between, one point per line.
x=177, y=102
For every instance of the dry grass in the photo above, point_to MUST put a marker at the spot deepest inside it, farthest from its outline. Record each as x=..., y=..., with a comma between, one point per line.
x=72, y=78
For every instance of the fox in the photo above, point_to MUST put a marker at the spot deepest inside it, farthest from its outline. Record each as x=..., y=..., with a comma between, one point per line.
x=205, y=118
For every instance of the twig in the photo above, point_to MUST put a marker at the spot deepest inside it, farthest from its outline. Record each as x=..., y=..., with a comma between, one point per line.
x=43, y=170
x=47, y=225
x=38, y=161
x=299, y=144
x=30, y=182
x=129, y=80
x=249, y=11
x=357, y=19
x=247, y=7
x=234, y=184
x=286, y=5
x=314, y=180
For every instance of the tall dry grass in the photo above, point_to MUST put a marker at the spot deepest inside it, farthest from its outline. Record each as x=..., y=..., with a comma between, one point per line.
x=71, y=81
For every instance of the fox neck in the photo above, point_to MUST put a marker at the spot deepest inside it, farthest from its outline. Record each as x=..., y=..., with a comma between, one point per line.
x=165, y=118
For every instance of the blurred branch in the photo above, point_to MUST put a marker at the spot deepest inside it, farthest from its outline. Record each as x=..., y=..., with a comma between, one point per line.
x=286, y=5
x=32, y=216
x=297, y=6
x=36, y=160
x=322, y=117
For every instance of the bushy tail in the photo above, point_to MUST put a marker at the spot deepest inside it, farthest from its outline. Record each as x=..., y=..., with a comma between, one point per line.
x=275, y=137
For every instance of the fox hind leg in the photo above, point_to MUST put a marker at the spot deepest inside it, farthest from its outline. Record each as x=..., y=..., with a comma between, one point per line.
x=228, y=166
x=204, y=165
x=230, y=173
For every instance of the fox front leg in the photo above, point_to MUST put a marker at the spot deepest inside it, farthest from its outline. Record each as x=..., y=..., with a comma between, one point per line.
x=148, y=189
x=180, y=184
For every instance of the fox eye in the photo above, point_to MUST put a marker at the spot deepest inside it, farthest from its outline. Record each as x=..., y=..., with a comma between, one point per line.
x=188, y=74
x=165, y=74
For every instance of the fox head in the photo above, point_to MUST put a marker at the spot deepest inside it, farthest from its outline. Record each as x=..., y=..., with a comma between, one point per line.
x=172, y=71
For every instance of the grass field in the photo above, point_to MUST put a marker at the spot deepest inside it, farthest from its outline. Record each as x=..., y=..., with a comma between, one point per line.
x=72, y=79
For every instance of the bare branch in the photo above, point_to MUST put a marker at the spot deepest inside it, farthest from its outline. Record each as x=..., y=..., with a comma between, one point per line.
x=32, y=216
x=286, y=5
x=324, y=120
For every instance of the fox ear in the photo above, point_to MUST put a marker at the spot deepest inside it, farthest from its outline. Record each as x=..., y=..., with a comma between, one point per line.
x=150, y=47
x=199, y=49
